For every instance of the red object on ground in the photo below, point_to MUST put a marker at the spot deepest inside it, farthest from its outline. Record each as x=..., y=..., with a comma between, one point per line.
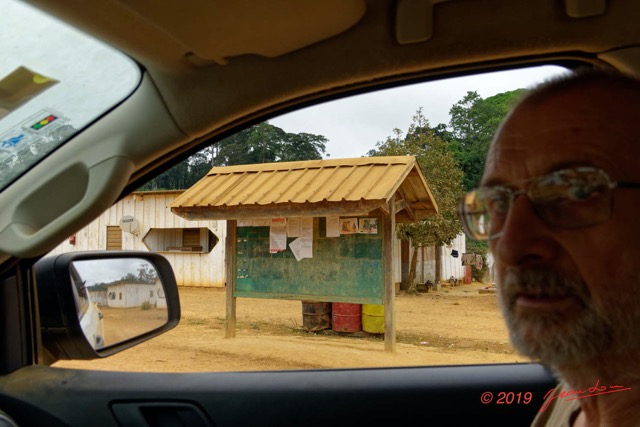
x=346, y=317
x=467, y=274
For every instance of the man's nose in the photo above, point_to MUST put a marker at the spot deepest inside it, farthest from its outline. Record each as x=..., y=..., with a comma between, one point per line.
x=526, y=238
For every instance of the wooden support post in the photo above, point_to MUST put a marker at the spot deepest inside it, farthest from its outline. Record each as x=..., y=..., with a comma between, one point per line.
x=230, y=266
x=389, y=285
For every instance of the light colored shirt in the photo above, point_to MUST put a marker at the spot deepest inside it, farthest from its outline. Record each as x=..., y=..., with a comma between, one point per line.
x=559, y=413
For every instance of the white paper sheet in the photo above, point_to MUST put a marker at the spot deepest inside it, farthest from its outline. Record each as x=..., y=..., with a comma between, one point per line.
x=278, y=235
x=295, y=249
x=293, y=227
x=333, y=226
x=306, y=237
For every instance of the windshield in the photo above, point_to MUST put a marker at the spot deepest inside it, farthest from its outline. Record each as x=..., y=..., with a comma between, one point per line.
x=54, y=81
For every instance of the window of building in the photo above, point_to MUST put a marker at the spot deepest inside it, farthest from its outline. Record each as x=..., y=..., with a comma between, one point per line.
x=187, y=240
x=114, y=238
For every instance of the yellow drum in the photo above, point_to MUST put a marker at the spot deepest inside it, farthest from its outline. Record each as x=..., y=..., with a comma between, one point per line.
x=373, y=318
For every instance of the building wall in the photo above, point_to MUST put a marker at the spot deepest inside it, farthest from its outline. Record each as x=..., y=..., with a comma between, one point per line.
x=453, y=266
x=130, y=295
x=151, y=211
x=426, y=265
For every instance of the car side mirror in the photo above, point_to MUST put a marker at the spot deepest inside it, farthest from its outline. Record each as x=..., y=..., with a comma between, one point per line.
x=95, y=304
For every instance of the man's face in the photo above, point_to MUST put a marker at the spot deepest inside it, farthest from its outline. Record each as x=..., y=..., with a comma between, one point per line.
x=569, y=295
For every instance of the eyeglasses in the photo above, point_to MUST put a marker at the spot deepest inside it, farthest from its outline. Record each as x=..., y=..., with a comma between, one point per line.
x=567, y=198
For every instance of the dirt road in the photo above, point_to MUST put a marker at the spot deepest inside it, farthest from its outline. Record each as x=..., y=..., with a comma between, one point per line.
x=451, y=326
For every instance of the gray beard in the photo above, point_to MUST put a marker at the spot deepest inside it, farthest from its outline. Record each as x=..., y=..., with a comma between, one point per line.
x=574, y=337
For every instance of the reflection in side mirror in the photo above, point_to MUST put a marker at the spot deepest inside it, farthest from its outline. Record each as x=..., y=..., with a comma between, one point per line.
x=95, y=304
x=117, y=299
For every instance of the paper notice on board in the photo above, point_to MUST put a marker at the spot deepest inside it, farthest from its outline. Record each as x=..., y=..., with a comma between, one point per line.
x=348, y=225
x=293, y=227
x=333, y=226
x=278, y=235
x=306, y=237
x=295, y=249
x=368, y=225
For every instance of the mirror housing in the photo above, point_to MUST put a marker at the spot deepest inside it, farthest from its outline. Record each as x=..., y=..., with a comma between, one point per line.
x=63, y=337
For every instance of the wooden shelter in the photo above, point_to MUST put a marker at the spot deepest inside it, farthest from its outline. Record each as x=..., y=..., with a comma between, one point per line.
x=373, y=190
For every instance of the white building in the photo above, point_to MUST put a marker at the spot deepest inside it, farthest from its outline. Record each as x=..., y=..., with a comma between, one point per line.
x=142, y=222
x=450, y=264
x=130, y=295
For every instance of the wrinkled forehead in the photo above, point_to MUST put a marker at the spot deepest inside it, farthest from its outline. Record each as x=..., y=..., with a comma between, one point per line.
x=579, y=128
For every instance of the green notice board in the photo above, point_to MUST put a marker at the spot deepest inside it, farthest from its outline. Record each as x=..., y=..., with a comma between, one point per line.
x=348, y=268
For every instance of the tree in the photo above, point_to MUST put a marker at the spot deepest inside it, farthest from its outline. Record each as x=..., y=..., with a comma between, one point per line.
x=444, y=178
x=474, y=122
x=147, y=274
x=265, y=143
x=262, y=143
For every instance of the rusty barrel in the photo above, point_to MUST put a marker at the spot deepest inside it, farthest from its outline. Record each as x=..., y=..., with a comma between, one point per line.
x=316, y=315
x=373, y=318
x=346, y=317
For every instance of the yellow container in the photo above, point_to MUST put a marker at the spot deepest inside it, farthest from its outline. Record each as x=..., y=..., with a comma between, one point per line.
x=373, y=318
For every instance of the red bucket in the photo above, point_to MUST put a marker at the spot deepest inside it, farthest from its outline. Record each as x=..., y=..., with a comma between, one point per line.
x=346, y=317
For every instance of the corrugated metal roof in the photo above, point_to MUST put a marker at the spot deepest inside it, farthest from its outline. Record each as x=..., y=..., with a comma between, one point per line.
x=354, y=186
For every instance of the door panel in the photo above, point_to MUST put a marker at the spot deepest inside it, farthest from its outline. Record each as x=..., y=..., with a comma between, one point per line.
x=393, y=396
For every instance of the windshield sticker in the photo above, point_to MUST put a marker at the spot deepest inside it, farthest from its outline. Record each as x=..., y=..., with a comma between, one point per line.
x=12, y=141
x=20, y=86
x=43, y=128
x=43, y=122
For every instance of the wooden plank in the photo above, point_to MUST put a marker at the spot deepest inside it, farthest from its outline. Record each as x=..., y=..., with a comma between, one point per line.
x=309, y=297
x=191, y=237
x=343, y=208
x=389, y=285
x=230, y=263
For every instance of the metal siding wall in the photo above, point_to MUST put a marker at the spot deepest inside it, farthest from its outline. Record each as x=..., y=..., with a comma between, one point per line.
x=453, y=266
x=450, y=266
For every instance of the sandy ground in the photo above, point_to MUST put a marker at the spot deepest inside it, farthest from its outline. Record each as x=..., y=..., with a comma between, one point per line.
x=453, y=326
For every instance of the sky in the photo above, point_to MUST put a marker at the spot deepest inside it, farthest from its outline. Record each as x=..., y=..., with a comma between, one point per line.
x=354, y=125
x=108, y=270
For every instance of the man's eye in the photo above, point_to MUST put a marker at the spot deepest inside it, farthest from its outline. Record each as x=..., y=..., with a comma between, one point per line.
x=498, y=204
x=581, y=192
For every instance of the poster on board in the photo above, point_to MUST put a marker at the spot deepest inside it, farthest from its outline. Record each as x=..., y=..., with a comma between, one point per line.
x=348, y=225
x=278, y=235
x=368, y=225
